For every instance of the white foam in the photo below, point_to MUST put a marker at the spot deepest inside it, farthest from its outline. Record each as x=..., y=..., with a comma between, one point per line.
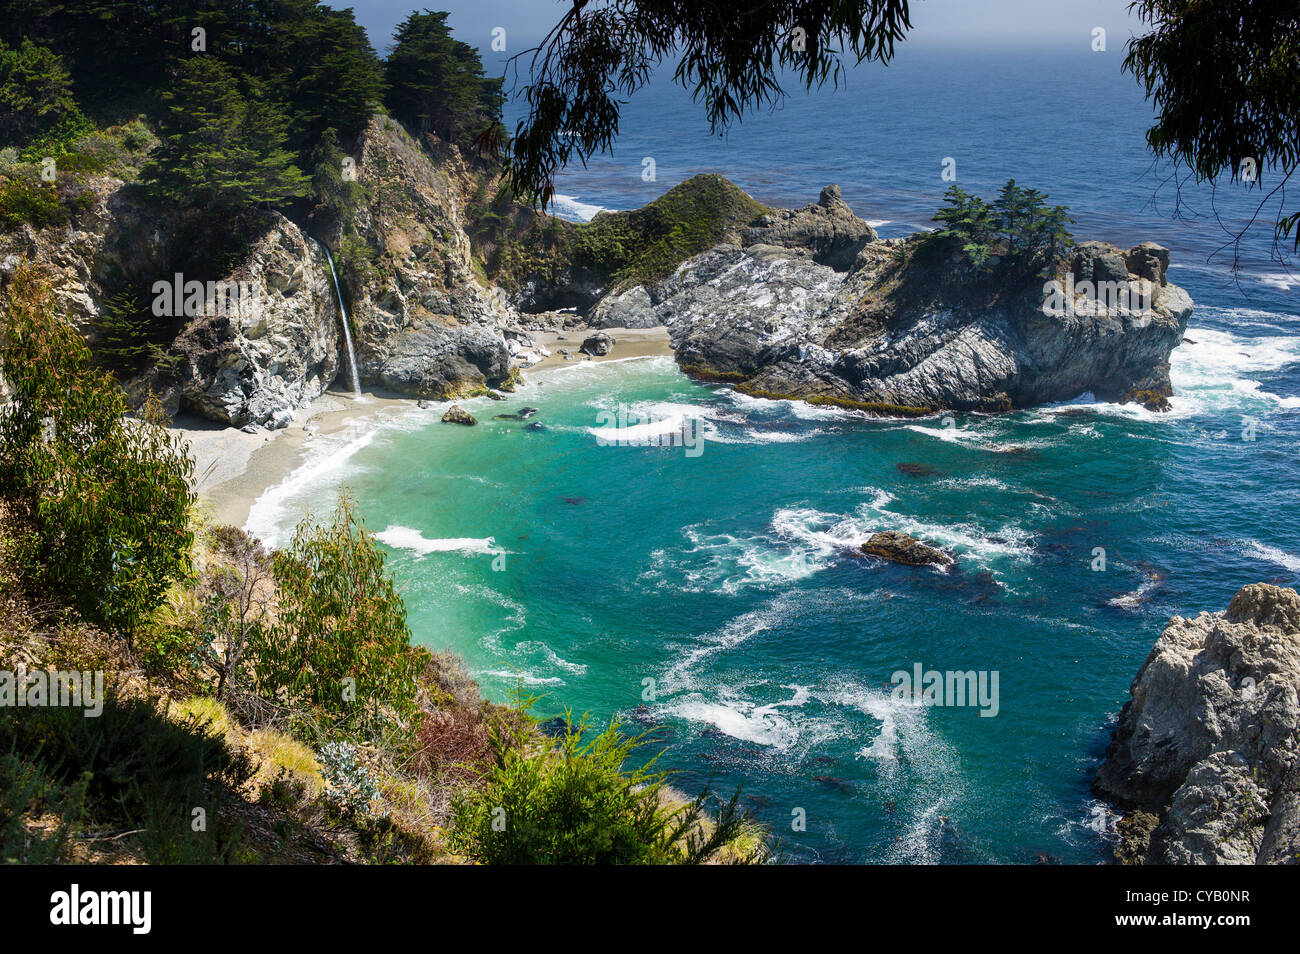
x=1269, y=554
x=327, y=459
x=742, y=719
x=1212, y=374
x=406, y=538
x=569, y=207
x=527, y=678
x=680, y=674
x=1135, y=599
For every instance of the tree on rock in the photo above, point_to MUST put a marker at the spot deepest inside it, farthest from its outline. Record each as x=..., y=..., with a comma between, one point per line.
x=437, y=84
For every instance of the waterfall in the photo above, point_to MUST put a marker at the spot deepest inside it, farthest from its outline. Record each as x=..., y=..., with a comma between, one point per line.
x=347, y=332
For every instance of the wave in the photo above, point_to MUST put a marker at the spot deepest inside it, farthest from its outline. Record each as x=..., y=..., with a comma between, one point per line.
x=826, y=533
x=742, y=719
x=327, y=459
x=1269, y=554
x=736, y=631
x=1212, y=375
x=405, y=538
x=570, y=208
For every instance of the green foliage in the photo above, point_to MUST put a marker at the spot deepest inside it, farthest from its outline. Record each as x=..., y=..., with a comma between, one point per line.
x=127, y=336
x=732, y=58
x=36, y=101
x=581, y=805
x=1016, y=234
x=1225, y=81
x=109, y=497
x=349, y=786
x=26, y=789
x=624, y=248
x=24, y=202
x=338, y=618
x=436, y=83
x=223, y=148
x=337, y=198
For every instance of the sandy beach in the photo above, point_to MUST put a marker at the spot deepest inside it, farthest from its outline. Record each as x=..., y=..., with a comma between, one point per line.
x=232, y=469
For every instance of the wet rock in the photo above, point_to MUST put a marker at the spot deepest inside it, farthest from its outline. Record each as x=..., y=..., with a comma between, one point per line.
x=902, y=548
x=916, y=470
x=458, y=415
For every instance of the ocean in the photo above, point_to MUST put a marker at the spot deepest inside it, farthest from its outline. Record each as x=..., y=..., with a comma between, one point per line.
x=706, y=592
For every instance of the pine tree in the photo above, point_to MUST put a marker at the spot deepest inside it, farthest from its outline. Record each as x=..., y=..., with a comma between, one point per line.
x=220, y=148
x=36, y=98
x=436, y=83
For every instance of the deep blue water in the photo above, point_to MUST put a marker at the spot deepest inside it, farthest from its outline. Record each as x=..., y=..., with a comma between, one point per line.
x=725, y=577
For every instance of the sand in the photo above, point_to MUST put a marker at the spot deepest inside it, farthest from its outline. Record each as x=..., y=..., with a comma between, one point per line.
x=233, y=469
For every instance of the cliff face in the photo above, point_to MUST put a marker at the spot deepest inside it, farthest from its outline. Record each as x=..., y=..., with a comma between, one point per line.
x=810, y=304
x=1205, y=760
x=425, y=325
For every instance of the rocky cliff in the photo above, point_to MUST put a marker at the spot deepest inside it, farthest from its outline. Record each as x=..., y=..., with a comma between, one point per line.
x=810, y=304
x=806, y=303
x=1205, y=760
x=425, y=324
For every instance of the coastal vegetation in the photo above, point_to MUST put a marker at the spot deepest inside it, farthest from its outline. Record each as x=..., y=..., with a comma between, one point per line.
x=617, y=249
x=257, y=706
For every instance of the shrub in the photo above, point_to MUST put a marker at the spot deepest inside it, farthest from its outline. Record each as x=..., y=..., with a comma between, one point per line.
x=349, y=785
x=339, y=642
x=24, y=202
x=581, y=805
x=108, y=498
x=26, y=790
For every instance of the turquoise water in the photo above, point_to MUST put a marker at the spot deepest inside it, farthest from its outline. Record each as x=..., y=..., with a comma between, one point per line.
x=584, y=569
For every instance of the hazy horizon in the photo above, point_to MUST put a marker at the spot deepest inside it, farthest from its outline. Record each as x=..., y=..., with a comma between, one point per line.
x=935, y=22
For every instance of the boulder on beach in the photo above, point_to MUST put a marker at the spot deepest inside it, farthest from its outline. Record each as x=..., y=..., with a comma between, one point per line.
x=458, y=415
x=903, y=548
x=599, y=344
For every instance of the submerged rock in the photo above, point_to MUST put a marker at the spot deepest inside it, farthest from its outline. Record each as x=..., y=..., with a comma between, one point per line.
x=1205, y=759
x=903, y=548
x=458, y=415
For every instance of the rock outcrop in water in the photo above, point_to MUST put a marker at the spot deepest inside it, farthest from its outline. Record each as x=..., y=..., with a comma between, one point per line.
x=812, y=305
x=899, y=547
x=1205, y=760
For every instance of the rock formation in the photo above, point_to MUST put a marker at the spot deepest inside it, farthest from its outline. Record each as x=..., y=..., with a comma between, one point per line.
x=458, y=415
x=1205, y=760
x=810, y=304
x=899, y=547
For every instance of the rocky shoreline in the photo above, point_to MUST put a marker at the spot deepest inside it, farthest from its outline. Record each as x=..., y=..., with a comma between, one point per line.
x=1205, y=759
x=806, y=303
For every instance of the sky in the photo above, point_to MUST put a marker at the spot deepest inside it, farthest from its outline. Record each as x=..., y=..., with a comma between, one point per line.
x=987, y=22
